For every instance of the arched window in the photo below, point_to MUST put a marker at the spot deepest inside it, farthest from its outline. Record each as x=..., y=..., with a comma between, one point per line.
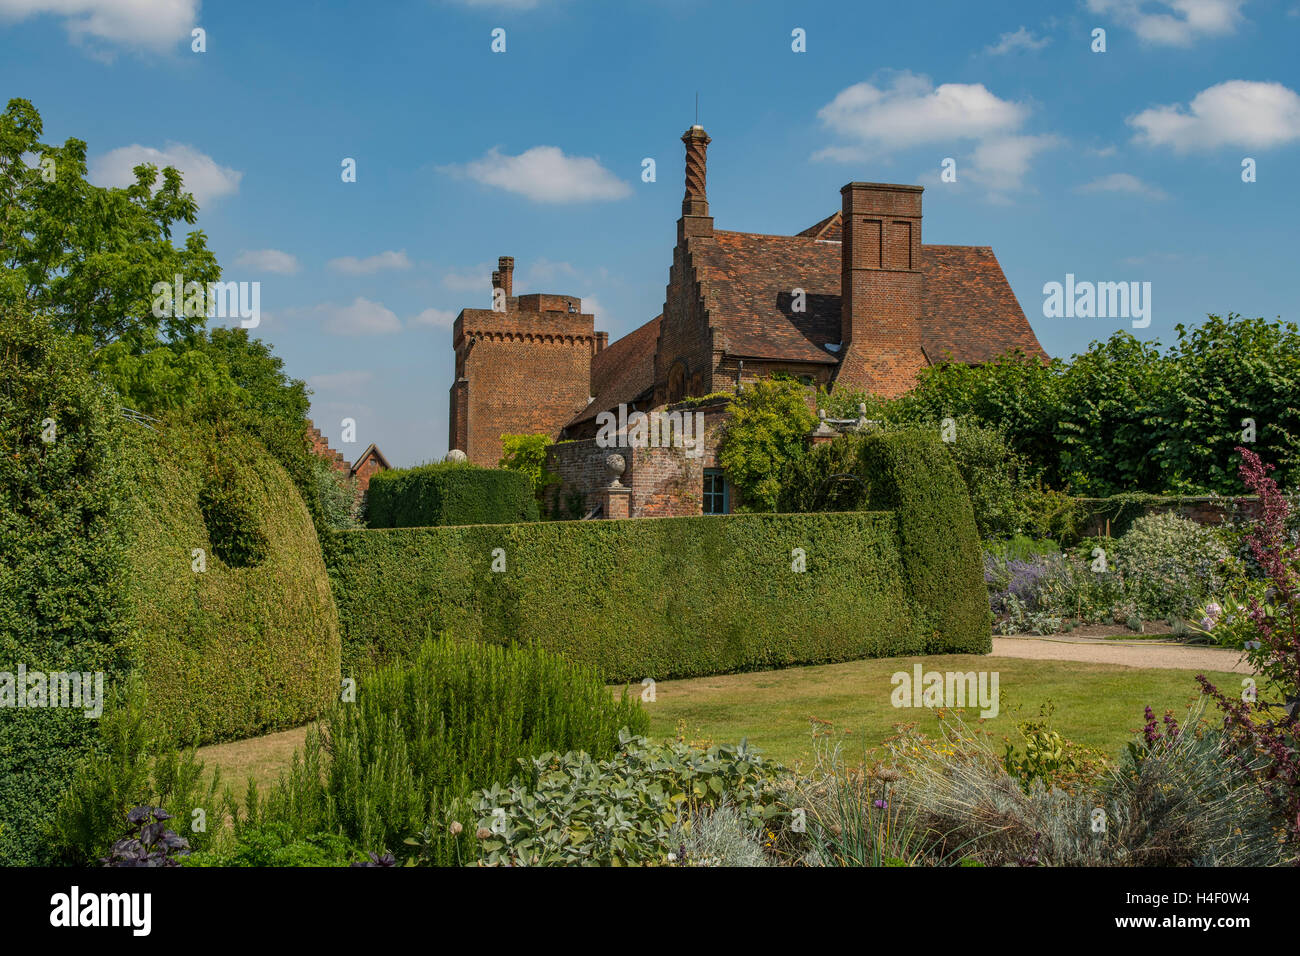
x=677, y=381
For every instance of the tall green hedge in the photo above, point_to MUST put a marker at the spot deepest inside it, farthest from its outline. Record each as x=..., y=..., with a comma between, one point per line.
x=670, y=597
x=62, y=559
x=250, y=644
x=448, y=493
x=99, y=517
x=911, y=473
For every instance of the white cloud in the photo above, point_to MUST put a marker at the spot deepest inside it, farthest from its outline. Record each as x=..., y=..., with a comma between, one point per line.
x=435, y=318
x=351, y=265
x=471, y=279
x=1123, y=183
x=349, y=381
x=544, y=174
x=543, y=270
x=203, y=176
x=360, y=317
x=1022, y=39
x=268, y=260
x=1172, y=22
x=1234, y=113
x=1000, y=163
x=152, y=24
x=912, y=111
x=592, y=306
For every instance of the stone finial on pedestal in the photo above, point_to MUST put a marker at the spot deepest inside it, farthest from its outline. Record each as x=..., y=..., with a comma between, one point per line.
x=616, y=497
x=823, y=432
x=615, y=465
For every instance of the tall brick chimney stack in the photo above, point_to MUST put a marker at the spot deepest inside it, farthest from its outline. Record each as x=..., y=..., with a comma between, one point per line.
x=507, y=266
x=695, y=220
x=880, y=281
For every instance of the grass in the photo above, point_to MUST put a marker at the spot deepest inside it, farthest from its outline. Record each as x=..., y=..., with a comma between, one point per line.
x=1098, y=705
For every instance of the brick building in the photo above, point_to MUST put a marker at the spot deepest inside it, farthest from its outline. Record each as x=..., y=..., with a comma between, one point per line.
x=855, y=300
x=371, y=460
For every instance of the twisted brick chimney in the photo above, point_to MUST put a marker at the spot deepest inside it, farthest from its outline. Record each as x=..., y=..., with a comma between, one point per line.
x=695, y=220
x=507, y=266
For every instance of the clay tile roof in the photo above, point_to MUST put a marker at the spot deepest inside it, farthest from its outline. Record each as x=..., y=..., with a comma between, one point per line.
x=747, y=280
x=829, y=228
x=623, y=371
x=372, y=450
x=971, y=315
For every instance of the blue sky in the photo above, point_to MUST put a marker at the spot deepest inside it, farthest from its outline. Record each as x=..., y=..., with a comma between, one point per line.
x=1115, y=166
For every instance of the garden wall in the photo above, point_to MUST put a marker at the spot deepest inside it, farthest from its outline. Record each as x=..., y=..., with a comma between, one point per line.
x=1116, y=514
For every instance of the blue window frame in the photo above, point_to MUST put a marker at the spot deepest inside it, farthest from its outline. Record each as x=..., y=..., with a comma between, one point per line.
x=717, y=496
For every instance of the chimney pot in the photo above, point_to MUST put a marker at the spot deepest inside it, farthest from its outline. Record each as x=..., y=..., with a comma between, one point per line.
x=507, y=266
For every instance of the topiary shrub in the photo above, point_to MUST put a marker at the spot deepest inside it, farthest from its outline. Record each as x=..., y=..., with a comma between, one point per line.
x=449, y=493
x=231, y=618
x=992, y=473
x=231, y=520
x=910, y=473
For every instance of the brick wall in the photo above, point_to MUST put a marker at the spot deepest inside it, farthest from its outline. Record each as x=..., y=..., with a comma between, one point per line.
x=1203, y=509
x=320, y=447
x=525, y=372
x=364, y=472
x=881, y=287
x=684, y=333
x=664, y=481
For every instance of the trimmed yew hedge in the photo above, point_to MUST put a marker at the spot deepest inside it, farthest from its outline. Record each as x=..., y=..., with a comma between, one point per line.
x=910, y=473
x=448, y=493
x=681, y=597
x=249, y=645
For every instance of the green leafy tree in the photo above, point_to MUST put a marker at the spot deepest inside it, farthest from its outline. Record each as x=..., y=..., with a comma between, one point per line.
x=1127, y=416
x=337, y=494
x=88, y=256
x=767, y=433
x=527, y=454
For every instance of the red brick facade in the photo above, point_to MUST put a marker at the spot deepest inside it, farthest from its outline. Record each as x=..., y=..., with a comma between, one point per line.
x=856, y=301
x=362, y=470
x=519, y=371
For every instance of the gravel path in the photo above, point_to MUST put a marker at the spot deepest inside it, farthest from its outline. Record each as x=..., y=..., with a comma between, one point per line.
x=1130, y=654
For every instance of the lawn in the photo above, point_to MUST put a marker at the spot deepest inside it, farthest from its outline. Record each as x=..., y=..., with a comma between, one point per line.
x=1098, y=705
